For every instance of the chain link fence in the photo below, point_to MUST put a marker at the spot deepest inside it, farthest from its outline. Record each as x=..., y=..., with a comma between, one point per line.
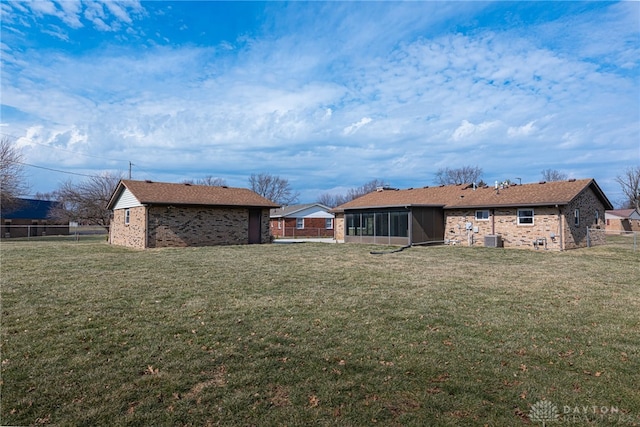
x=51, y=232
x=622, y=239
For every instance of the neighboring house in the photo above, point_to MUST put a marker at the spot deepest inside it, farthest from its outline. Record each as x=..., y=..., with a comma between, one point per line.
x=549, y=215
x=30, y=218
x=622, y=220
x=310, y=220
x=150, y=214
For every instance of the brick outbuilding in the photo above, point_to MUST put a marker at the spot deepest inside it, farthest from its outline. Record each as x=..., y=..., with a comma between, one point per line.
x=550, y=215
x=149, y=214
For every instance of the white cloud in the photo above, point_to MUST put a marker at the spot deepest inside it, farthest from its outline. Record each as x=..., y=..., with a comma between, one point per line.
x=524, y=130
x=354, y=127
x=300, y=101
x=468, y=129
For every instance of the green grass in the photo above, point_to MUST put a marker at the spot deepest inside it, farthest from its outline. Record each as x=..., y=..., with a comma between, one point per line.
x=316, y=334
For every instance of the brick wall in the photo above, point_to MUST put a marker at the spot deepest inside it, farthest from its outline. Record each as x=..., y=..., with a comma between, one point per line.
x=131, y=235
x=338, y=227
x=588, y=203
x=201, y=226
x=184, y=226
x=504, y=222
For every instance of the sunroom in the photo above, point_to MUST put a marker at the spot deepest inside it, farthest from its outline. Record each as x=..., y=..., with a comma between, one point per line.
x=405, y=225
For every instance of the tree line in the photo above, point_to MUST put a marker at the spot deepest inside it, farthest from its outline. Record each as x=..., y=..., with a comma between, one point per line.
x=86, y=202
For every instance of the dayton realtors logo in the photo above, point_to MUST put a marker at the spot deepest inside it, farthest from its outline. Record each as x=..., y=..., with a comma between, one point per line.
x=543, y=412
x=546, y=412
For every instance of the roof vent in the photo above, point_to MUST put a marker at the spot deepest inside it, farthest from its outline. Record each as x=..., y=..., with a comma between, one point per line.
x=542, y=182
x=188, y=184
x=224, y=186
x=426, y=186
x=572, y=180
x=148, y=181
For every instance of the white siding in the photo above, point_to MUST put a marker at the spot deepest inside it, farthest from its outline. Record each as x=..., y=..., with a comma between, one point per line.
x=312, y=212
x=127, y=200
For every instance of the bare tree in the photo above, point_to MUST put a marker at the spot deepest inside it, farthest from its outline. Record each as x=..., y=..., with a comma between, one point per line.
x=87, y=201
x=12, y=180
x=274, y=188
x=630, y=183
x=332, y=200
x=550, y=175
x=463, y=175
x=207, y=180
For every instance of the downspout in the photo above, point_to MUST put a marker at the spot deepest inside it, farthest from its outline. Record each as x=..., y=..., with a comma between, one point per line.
x=410, y=225
x=493, y=222
x=146, y=226
x=561, y=228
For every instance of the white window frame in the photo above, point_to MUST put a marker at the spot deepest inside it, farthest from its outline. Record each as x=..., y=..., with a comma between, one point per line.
x=127, y=216
x=328, y=223
x=576, y=217
x=300, y=223
x=521, y=217
x=482, y=217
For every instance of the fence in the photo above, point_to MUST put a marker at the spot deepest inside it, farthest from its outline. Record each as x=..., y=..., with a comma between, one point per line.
x=50, y=232
x=622, y=239
x=307, y=232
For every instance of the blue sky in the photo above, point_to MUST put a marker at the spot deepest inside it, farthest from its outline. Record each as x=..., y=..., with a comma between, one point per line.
x=328, y=95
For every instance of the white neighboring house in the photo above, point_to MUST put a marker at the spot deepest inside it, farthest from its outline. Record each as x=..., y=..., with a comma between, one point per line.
x=306, y=220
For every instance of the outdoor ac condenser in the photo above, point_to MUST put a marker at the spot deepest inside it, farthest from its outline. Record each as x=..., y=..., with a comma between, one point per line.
x=493, y=241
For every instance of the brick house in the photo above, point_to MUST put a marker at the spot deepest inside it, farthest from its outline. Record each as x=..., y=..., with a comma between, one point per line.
x=622, y=220
x=30, y=218
x=308, y=220
x=150, y=214
x=549, y=215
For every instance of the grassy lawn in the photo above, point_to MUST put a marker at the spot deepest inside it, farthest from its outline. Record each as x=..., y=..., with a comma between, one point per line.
x=317, y=334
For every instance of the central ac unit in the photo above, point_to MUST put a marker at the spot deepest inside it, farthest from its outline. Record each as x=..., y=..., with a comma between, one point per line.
x=493, y=241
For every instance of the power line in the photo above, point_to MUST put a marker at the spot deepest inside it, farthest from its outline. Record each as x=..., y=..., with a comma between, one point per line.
x=58, y=170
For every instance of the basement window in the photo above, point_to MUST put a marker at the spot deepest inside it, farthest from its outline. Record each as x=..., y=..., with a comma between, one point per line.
x=127, y=216
x=482, y=215
x=525, y=216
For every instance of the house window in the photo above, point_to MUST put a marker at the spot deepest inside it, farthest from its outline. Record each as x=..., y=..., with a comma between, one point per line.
x=597, y=217
x=328, y=223
x=482, y=215
x=300, y=223
x=525, y=216
x=576, y=217
x=127, y=216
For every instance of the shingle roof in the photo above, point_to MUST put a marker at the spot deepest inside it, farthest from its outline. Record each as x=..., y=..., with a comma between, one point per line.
x=464, y=196
x=30, y=209
x=149, y=192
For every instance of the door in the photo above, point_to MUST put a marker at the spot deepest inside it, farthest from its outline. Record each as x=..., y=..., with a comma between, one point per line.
x=255, y=226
